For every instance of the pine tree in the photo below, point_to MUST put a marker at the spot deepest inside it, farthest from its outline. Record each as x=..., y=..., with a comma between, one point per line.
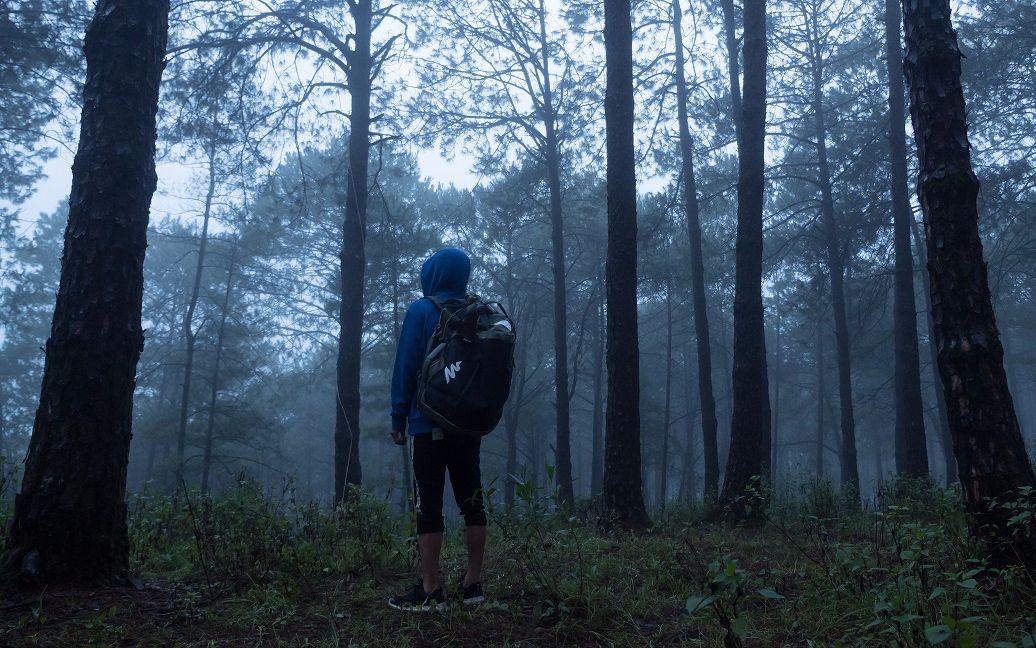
x=750, y=423
x=991, y=460
x=623, y=486
x=706, y=397
x=911, y=449
x=69, y=521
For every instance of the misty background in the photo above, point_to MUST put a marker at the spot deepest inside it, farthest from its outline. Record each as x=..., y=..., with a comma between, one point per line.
x=252, y=160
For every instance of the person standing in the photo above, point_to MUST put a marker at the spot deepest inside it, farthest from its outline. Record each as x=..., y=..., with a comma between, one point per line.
x=444, y=278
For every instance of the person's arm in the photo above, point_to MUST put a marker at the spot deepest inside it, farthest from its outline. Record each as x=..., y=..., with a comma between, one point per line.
x=409, y=356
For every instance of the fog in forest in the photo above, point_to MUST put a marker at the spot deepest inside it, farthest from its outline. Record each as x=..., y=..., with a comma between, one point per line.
x=256, y=140
x=312, y=154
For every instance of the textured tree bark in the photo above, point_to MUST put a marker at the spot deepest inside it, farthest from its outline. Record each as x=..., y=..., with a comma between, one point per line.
x=210, y=428
x=69, y=524
x=991, y=460
x=911, y=448
x=706, y=397
x=353, y=257
x=750, y=420
x=623, y=488
x=850, y=475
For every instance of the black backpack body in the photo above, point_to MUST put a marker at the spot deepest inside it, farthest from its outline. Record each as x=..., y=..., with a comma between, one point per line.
x=466, y=375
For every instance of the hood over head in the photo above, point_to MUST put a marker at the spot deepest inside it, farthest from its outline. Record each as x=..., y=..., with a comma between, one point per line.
x=446, y=273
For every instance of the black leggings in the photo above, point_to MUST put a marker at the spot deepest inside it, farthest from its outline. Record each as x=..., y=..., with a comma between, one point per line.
x=432, y=458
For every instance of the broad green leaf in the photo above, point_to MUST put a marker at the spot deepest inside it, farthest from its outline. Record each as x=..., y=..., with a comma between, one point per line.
x=770, y=594
x=937, y=634
x=696, y=603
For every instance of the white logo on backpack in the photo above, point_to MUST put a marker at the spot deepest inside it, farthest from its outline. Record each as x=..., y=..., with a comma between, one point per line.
x=452, y=370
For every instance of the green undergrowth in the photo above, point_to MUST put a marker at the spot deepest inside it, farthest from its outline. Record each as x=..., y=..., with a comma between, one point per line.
x=258, y=568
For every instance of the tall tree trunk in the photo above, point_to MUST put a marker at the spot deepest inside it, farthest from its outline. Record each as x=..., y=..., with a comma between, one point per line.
x=727, y=370
x=353, y=257
x=552, y=159
x=911, y=448
x=701, y=314
x=733, y=71
x=210, y=429
x=190, y=335
x=623, y=489
x=750, y=421
x=991, y=457
x=69, y=522
x=688, y=487
x=766, y=448
x=879, y=464
x=407, y=490
x=663, y=480
x=563, y=441
x=597, y=428
x=850, y=475
x=511, y=419
x=161, y=401
x=945, y=436
x=776, y=420
x=734, y=81
x=821, y=397
x=3, y=422
x=1032, y=300
x=534, y=442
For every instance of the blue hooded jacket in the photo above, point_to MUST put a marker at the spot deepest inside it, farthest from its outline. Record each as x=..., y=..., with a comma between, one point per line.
x=443, y=276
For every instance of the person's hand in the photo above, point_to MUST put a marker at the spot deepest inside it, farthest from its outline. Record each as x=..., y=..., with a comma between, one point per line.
x=398, y=437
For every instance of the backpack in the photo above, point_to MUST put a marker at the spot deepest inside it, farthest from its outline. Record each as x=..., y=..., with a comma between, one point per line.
x=466, y=375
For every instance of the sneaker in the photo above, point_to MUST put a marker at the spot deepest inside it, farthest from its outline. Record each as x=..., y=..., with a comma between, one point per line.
x=472, y=594
x=417, y=600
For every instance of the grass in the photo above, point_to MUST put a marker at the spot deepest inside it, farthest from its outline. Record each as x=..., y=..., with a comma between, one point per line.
x=250, y=569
